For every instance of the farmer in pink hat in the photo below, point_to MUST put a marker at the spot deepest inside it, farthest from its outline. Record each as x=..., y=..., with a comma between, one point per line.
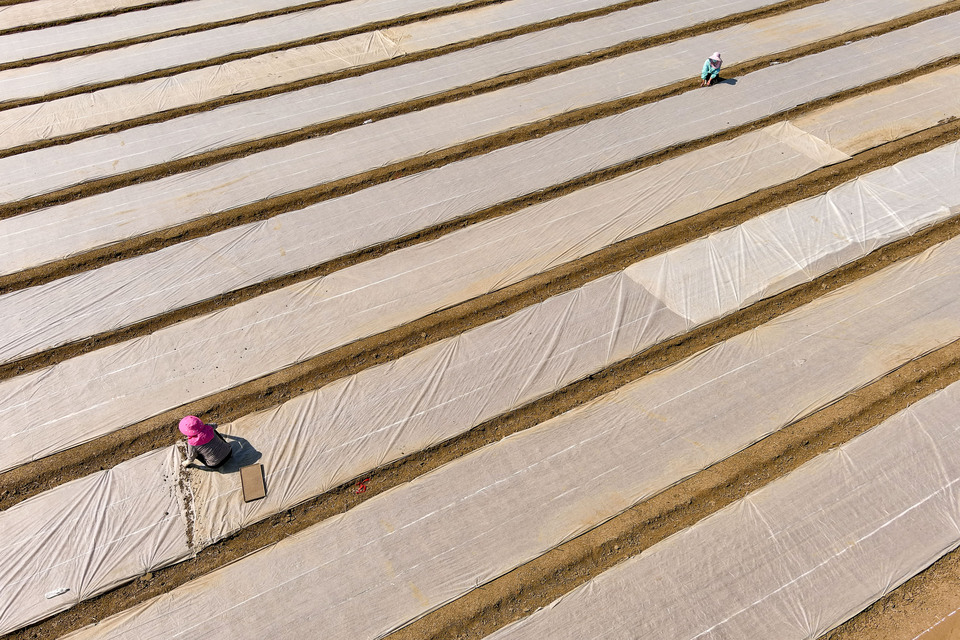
x=204, y=443
x=711, y=69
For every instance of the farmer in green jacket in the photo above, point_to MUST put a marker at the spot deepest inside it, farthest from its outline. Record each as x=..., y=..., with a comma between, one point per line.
x=711, y=69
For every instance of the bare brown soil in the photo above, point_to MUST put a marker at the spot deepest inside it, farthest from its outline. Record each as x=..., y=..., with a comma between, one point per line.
x=917, y=605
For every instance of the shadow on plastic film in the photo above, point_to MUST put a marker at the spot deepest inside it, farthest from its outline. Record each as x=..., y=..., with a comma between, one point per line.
x=243, y=454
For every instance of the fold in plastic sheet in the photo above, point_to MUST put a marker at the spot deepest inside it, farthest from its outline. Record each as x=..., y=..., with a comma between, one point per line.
x=886, y=114
x=89, y=535
x=250, y=120
x=116, y=295
x=37, y=237
x=420, y=545
x=40, y=11
x=201, y=45
x=795, y=558
x=51, y=77
x=125, y=383
x=76, y=307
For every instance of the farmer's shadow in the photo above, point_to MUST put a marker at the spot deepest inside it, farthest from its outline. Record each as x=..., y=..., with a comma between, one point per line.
x=726, y=81
x=243, y=454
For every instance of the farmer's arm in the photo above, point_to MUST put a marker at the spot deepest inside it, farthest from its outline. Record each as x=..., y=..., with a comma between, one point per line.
x=191, y=455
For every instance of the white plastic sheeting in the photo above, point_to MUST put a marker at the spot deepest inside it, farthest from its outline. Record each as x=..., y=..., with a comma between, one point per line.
x=299, y=321
x=40, y=11
x=116, y=295
x=51, y=77
x=397, y=138
x=886, y=114
x=415, y=547
x=89, y=535
x=37, y=237
x=326, y=437
x=83, y=305
x=128, y=382
x=249, y=120
x=208, y=43
x=794, y=559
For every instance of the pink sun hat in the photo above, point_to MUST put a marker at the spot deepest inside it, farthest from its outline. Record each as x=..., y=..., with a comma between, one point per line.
x=196, y=431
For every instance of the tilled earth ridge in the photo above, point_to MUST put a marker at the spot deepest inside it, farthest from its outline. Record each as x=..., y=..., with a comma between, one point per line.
x=915, y=604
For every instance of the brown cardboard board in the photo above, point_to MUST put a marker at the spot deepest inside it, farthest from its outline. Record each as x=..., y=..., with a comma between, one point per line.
x=251, y=480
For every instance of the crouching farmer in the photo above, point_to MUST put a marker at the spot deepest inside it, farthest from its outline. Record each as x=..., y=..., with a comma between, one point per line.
x=711, y=70
x=204, y=443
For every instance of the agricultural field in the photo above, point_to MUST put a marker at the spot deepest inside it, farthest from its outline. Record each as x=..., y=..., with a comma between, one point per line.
x=534, y=335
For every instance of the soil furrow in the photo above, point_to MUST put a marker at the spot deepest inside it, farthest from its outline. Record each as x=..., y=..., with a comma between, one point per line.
x=207, y=26
x=428, y=101
x=514, y=595
x=273, y=389
x=36, y=26
x=816, y=182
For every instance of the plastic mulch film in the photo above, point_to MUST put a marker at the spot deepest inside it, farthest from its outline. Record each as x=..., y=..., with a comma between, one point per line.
x=408, y=404
x=329, y=436
x=374, y=295
x=249, y=120
x=41, y=11
x=793, y=559
x=420, y=545
x=115, y=295
x=84, y=537
x=278, y=32
x=402, y=137
x=145, y=207
x=886, y=114
x=75, y=307
x=263, y=32
x=324, y=438
x=128, y=382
